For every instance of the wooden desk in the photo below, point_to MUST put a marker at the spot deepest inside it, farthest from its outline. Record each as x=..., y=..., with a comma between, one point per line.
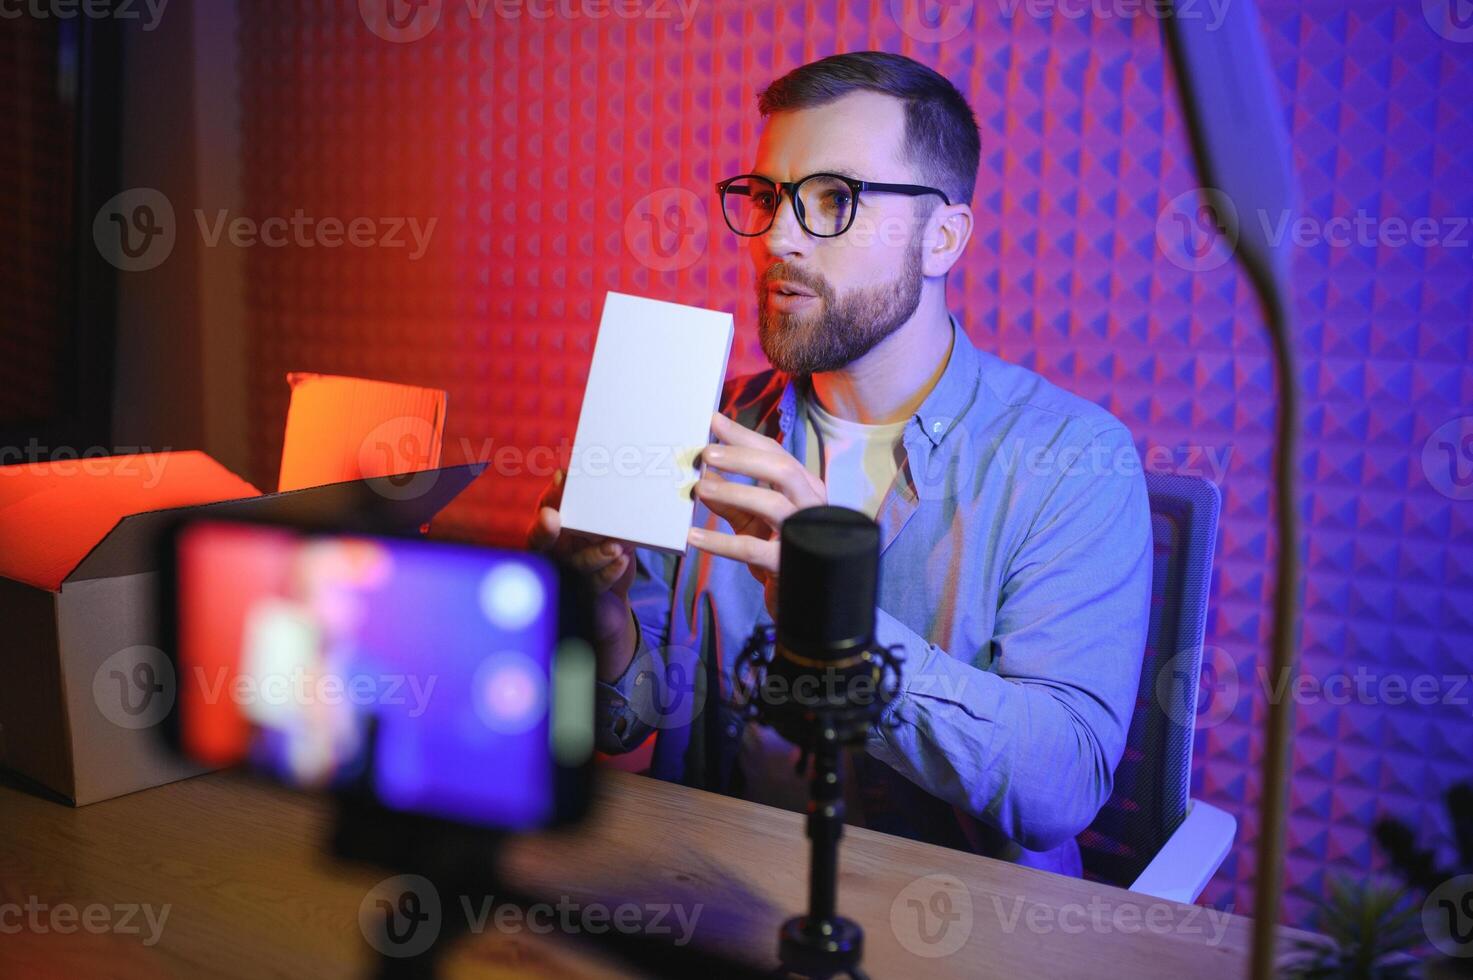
x=249, y=894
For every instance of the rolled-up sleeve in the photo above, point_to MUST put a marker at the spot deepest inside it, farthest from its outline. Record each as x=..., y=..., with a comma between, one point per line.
x=625, y=707
x=1027, y=734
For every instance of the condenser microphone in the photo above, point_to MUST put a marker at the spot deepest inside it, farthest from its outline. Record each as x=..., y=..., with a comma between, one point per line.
x=824, y=668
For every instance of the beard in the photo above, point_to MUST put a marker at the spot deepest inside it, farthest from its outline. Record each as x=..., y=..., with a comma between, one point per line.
x=844, y=328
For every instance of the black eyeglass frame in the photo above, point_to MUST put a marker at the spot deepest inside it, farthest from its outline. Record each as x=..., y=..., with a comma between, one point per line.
x=790, y=187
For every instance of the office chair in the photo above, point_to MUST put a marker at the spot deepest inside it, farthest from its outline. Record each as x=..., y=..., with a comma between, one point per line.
x=1151, y=837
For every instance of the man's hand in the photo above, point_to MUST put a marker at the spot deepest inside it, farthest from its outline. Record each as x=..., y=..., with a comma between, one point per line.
x=606, y=564
x=755, y=513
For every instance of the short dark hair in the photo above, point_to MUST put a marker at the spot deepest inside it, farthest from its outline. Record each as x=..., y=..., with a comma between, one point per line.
x=941, y=136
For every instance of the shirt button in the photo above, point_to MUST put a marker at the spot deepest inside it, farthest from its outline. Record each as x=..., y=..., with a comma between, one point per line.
x=936, y=427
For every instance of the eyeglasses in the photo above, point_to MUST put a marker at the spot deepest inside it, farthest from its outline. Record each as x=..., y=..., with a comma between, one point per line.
x=825, y=204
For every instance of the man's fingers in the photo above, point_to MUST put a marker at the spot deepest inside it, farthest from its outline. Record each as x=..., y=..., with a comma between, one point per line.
x=738, y=547
x=734, y=433
x=816, y=487
x=778, y=469
x=552, y=494
x=545, y=525
x=611, y=573
x=544, y=531
x=799, y=485
x=595, y=557
x=737, y=502
x=740, y=520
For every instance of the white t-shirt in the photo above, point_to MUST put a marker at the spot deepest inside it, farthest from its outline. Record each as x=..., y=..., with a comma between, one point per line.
x=857, y=464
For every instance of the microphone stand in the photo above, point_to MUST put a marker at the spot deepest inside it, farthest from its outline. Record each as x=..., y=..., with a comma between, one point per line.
x=821, y=944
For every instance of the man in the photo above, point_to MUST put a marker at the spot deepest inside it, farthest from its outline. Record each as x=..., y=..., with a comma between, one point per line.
x=1016, y=540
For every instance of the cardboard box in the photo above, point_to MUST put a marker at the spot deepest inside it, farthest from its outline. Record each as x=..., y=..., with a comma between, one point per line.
x=86, y=684
x=347, y=428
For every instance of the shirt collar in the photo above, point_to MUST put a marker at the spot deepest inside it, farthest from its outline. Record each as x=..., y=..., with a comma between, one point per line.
x=949, y=400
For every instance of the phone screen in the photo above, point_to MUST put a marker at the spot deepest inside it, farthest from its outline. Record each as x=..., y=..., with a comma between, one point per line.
x=430, y=675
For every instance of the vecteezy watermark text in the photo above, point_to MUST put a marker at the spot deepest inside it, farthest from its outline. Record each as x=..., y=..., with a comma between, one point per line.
x=125, y=461
x=298, y=687
x=122, y=919
x=1220, y=687
x=1212, y=12
x=1104, y=916
x=149, y=11
x=305, y=231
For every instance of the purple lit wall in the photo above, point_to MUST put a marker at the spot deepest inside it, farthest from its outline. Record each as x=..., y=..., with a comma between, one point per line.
x=565, y=157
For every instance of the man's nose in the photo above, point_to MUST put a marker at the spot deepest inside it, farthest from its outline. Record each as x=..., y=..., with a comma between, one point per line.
x=786, y=237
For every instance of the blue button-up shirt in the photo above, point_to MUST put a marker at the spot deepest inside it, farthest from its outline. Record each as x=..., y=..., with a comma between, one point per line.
x=1014, y=579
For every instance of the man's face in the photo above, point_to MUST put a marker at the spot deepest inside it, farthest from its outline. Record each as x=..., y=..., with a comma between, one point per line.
x=824, y=302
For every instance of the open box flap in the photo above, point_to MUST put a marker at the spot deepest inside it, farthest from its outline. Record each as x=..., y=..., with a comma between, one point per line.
x=340, y=428
x=52, y=514
x=392, y=504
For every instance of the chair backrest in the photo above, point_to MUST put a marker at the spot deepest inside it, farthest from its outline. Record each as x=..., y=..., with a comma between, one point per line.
x=1152, y=782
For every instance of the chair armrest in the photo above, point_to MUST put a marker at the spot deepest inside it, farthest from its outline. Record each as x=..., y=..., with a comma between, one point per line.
x=1189, y=859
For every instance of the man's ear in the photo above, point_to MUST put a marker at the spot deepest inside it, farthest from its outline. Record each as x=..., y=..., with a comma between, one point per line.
x=947, y=232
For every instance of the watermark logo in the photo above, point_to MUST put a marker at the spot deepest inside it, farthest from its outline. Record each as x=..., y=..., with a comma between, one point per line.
x=932, y=916
x=1200, y=700
x=403, y=447
x=1447, y=458
x=1453, y=19
x=1198, y=230
x=1447, y=917
x=667, y=230
x=401, y=21
x=400, y=916
x=135, y=230
x=669, y=690
x=135, y=687
x=933, y=21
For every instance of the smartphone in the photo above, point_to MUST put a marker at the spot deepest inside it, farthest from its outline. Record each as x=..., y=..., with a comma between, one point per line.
x=428, y=678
